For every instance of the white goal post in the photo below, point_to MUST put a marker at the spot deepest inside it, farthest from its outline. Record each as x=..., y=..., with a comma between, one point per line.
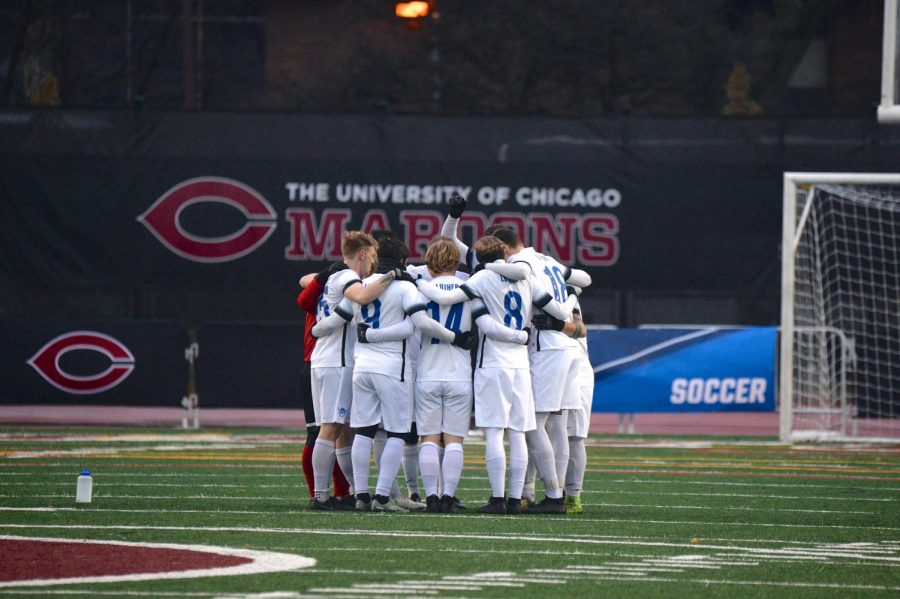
x=839, y=365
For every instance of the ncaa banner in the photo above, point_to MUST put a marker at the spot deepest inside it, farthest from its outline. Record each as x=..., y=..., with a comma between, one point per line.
x=683, y=370
x=92, y=362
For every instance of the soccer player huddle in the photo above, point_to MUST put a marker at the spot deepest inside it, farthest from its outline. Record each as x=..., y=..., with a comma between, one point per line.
x=402, y=353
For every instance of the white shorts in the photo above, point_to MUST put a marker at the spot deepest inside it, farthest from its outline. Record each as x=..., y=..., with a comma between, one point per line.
x=443, y=407
x=579, y=422
x=503, y=399
x=332, y=393
x=379, y=398
x=553, y=379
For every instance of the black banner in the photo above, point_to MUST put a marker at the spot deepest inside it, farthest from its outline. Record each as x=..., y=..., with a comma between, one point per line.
x=109, y=362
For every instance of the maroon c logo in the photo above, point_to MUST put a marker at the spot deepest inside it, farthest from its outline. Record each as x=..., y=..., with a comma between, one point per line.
x=46, y=362
x=162, y=218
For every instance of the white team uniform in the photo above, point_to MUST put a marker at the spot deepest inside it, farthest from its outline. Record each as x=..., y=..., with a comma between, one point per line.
x=503, y=395
x=553, y=355
x=579, y=421
x=381, y=374
x=444, y=379
x=331, y=363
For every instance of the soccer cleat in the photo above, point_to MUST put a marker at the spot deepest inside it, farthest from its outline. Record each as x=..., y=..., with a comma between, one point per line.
x=408, y=503
x=459, y=505
x=525, y=503
x=495, y=505
x=330, y=505
x=573, y=505
x=312, y=501
x=363, y=506
x=448, y=504
x=513, y=506
x=348, y=500
x=388, y=506
x=433, y=504
x=548, y=506
x=415, y=497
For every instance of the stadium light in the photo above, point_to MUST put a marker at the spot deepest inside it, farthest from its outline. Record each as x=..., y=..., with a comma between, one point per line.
x=411, y=10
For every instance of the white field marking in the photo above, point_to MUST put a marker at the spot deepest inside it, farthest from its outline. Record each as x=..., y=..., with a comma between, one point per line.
x=464, y=536
x=152, y=438
x=96, y=592
x=295, y=473
x=716, y=483
x=106, y=451
x=263, y=562
x=732, y=473
x=578, y=520
x=707, y=507
x=750, y=495
x=175, y=485
x=762, y=583
x=98, y=493
x=350, y=592
x=418, y=550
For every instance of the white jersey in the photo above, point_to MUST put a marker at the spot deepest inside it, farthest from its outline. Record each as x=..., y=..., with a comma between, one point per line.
x=508, y=301
x=420, y=271
x=335, y=349
x=550, y=275
x=391, y=307
x=440, y=361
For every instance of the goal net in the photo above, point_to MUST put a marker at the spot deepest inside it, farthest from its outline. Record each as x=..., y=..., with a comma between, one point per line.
x=840, y=307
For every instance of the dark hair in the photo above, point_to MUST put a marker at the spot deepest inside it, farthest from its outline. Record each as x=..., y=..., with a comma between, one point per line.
x=392, y=248
x=504, y=234
x=380, y=234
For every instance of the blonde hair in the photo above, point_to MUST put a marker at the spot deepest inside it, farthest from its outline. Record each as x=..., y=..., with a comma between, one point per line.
x=355, y=241
x=442, y=255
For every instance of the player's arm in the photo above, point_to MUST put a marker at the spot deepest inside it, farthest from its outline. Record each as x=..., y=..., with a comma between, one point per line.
x=355, y=291
x=493, y=329
x=341, y=315
x=574, y=328
x=457, y=205
x=395, y=332
x=309, y=296
x=417, y=311
x=511, y=270
x=577, y=277
x=446, y=297
x=545, y=301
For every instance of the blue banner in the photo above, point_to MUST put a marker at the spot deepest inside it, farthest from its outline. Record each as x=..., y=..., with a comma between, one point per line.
x=683, y=370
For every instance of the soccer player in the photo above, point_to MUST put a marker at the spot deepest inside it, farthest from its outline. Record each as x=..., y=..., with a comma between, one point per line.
x=381, y=381
x=308, y=299
x=503, y=392
x=332, y=363
x=554, y=367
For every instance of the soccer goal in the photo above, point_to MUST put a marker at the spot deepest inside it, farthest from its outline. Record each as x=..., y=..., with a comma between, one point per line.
x=839, y=376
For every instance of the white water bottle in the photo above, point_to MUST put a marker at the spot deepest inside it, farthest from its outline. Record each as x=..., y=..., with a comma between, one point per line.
x=85, y=487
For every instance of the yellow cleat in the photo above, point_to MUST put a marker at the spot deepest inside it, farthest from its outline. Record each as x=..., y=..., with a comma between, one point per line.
x=573, y=505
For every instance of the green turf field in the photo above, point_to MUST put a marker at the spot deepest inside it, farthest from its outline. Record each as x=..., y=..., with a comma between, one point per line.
x=663, y=518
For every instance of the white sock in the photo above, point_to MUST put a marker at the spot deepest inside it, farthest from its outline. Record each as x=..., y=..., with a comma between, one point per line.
x=495, y=460
x=559, y=440
x=380, y=440
x=451, y=467
x=323, y=466
x=390, y=465
x=361, y=454
x=577, y=466
x=518, y=463
x=430, y=466
x=530, y=471
x=344, y=458
x=411, y=468
x=542, y=454
x=441, y=471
